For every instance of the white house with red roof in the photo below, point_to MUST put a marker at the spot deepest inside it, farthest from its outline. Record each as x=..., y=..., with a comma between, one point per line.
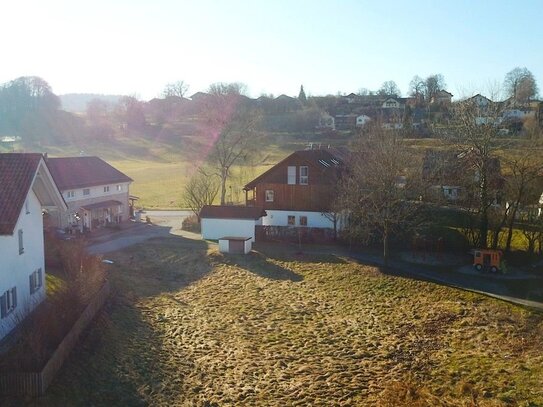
x=26, y=190
x=97, y=194
x=230, y=221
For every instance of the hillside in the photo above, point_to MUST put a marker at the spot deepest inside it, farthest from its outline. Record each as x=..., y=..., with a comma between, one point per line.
x=77, y=102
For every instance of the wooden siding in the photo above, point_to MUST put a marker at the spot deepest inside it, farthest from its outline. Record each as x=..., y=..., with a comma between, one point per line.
x=317, y=174
x=294, y=197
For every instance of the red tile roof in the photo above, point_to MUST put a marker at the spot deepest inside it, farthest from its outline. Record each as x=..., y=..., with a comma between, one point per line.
x=232, y=212
x=79, y=172
x=16, y=175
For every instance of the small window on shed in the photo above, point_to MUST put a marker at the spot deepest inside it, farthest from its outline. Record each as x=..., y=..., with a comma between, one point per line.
x=269, y=195
x=303, y=220
x=291, y=220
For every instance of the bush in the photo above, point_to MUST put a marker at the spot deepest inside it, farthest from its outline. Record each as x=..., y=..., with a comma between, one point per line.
x=43, y=330
x=191, y=224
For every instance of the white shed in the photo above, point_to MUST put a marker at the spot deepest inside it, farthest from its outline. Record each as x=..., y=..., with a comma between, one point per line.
x=235, y=245
x=218, y=221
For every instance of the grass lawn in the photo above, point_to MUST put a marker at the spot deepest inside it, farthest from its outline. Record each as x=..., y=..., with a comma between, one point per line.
x=190, y=327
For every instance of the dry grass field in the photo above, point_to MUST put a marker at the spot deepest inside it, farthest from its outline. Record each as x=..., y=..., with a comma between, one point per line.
x=191, y=327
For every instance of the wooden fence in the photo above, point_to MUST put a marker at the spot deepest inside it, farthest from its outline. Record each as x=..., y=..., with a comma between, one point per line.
x=36, y=383
x=294, y=234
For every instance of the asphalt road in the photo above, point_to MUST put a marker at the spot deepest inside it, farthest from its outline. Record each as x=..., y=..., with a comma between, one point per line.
x=163, y=224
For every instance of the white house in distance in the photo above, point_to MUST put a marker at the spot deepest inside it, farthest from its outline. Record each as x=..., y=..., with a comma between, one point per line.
x=26, y=189
x=230, y=221
x=96, y=193
x=362, y=120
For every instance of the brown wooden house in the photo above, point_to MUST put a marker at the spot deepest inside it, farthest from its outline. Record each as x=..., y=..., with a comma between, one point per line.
x=299, y=190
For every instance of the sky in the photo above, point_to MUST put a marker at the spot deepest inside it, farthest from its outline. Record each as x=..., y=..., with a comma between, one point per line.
x=136, y=47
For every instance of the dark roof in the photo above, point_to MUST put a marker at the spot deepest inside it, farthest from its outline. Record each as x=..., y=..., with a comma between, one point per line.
x=16, y=175
x=104, y=204
x=330, y=160
x=78, y=172
x=443, y=91
x=231, y=212
x=235, y=238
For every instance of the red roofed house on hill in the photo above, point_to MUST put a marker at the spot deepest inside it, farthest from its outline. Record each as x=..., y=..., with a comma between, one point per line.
x=97, y=194
x=26, y=189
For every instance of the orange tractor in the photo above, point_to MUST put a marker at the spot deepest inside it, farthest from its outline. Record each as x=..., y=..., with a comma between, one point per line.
x=487, y=260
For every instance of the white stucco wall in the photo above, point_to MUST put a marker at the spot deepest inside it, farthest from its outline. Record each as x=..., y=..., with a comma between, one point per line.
x=96, y=195
x=280, y=218
x=217, y=228
x=224, y=246
x=16, y=268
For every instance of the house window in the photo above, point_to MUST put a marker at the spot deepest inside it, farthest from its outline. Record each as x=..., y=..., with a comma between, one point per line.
x=106, y=189
x=304, y=175
x=8, y=302
x=70, y=194
x=86, y=191
x=269, y=195
x=303, y=220
x=291, y=220
x=27, y=207
x=291, y=175
x=21, y=245
x=35, y=280
x=119, y=187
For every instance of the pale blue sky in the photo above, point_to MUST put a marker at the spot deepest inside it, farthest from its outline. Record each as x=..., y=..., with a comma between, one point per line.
x=136, y=47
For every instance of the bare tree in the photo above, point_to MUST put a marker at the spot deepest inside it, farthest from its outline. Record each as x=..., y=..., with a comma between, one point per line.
x=179, y=89
x=223, y=88
x=389, y=88
x=520, y=84
x=433, y=84
x=417, y=87
x=522, y=186
x=376, y=193
x=129, y=111
x=533, y=232
x=475, y=134
x=201, y=190
x=234, y=130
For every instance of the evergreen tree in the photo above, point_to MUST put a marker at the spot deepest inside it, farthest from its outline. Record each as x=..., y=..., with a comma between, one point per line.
x=301, y=96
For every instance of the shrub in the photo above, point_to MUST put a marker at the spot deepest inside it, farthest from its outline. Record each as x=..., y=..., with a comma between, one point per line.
x=43, y=330
x=191, y=224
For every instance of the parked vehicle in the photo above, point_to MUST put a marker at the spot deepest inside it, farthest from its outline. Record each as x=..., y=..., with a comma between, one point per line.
x=487, y=260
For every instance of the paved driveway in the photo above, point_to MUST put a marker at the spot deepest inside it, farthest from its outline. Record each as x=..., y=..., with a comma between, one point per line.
x=163, y=224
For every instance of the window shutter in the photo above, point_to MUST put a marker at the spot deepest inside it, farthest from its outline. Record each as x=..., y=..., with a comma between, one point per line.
x=40, y=281
x=21, y=248
x=14, y=297
x=31, y=281
x=3, y=306
x=291, y=175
